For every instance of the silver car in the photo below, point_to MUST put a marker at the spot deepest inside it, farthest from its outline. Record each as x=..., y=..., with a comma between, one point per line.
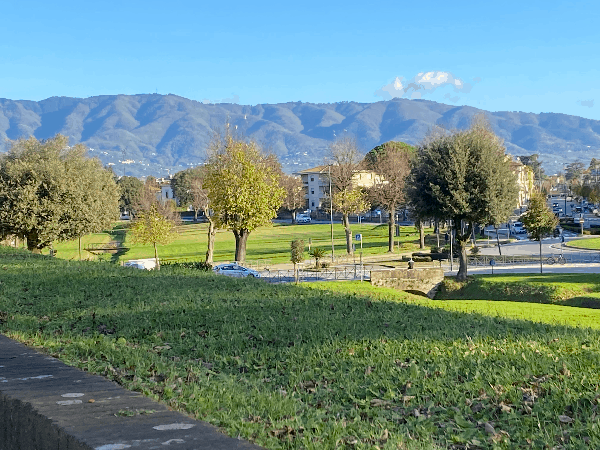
x=235, y=270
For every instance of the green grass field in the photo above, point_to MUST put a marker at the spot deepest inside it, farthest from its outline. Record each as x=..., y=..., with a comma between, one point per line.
x=592, y=243
x=267, y=243
x=322, y=365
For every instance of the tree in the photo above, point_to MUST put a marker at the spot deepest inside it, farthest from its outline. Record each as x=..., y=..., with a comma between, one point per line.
x=50, y=191
x=594, y=168
x=465, y=177
x=297, y=255
x=152, y=227
x=131, y=188
x=188, y=187
x=539, y=220
x=243, y=188
x=294, y=194
x=535, y=165
x=318, y=254
x=574, y=172
x=391, y=161
x=347, y=199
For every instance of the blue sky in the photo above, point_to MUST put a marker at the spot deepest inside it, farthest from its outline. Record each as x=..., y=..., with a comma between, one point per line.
x=532, y=56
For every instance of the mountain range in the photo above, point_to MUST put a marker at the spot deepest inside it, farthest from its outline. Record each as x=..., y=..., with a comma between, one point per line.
x=154, y=134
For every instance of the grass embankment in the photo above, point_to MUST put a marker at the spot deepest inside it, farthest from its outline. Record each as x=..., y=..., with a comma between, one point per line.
x=266, y=243
x=569, y=289
x=591, y=243
x=319, y=366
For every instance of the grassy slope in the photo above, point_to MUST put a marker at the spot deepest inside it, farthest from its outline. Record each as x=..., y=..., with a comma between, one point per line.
x=570, y=289
x=270, y=243
x=317, y=366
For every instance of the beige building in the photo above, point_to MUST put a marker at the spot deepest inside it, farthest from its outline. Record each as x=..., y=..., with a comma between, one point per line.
x=524, y=180
x=316, y=184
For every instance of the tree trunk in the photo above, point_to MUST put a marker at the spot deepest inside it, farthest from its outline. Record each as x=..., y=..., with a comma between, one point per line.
x=541, y=270
x=211, y=241
x=346, y=221
x=462, y=259
x=462, y=239
x=391, y=230
x=33, y=243
x=437, y=232
x=195, y=214
x=79, y=247
x=498, y=241
x=156, y=256
x=241, y=237
x=293, y=217
x=421, y=235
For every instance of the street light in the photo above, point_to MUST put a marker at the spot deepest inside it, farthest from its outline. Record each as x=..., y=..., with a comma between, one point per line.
x=331, y=215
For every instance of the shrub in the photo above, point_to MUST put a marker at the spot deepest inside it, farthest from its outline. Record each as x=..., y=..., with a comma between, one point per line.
x=317, y=253
x=197, y=265
x=474, y=250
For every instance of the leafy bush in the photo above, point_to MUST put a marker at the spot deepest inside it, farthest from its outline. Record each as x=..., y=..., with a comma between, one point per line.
x=317, y=253
x=474, y=250
x=198, y=265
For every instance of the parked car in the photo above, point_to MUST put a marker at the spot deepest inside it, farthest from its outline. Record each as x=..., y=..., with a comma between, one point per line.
x=303, y=219
x=555, y=205
x=518, y=228
x=235, y=270
x=144, y=264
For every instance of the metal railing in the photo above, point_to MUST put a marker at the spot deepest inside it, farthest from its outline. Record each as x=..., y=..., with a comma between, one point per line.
x=346, y=273
x=552, y=258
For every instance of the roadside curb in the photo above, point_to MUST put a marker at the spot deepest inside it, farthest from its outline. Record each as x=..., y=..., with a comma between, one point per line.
x=45, y=404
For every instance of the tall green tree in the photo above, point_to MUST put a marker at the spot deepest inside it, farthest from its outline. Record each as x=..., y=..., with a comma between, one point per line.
x=130, y=188
x=539, y=220
x=464, y=177
x=391, y=162
x=243, y=187
x=153, y=227
x=50, y=191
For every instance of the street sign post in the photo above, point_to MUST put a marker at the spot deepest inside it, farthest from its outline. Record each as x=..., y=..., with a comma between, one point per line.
x=492, y=263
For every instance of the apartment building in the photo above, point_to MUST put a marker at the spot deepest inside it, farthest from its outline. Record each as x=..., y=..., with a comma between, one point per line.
x=316, y=184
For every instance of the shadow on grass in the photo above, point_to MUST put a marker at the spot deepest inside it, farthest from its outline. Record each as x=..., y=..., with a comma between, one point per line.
x=559, y=289
x=337, y=352
x=117, y=235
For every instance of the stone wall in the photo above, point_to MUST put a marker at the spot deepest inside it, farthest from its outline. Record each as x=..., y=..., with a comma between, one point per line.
x=420, y=280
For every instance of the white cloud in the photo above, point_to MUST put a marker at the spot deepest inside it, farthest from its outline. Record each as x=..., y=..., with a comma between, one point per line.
x=423, y=83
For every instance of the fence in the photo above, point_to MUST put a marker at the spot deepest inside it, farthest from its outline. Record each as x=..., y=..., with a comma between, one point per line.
x=505, y=260
x=346, y=273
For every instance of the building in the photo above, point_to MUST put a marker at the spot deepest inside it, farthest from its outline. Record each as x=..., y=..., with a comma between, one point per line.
x=316, y=184
x=525, y=180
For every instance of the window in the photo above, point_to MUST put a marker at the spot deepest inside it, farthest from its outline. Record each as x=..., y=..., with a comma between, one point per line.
x=312, y=179
x=312, y=191
x=313, y=203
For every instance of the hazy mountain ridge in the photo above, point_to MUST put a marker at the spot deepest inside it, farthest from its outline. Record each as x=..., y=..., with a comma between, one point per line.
x=157, y=133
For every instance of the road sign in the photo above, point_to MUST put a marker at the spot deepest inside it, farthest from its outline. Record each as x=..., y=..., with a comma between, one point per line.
x=358, y=237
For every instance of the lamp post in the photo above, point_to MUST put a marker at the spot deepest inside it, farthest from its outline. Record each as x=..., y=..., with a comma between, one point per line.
x=331, y=214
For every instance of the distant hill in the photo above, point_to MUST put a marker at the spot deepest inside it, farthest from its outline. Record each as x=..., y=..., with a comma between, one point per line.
x=156, y=134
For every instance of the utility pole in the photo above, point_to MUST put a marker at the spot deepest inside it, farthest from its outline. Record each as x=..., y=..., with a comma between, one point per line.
x=331, y=215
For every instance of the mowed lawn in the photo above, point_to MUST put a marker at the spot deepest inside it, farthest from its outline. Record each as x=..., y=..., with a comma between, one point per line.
x=591, y=243
x=266, y=244
x=323, y=365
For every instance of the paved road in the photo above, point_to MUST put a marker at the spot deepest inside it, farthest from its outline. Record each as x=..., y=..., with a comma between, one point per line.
x=527, y=247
